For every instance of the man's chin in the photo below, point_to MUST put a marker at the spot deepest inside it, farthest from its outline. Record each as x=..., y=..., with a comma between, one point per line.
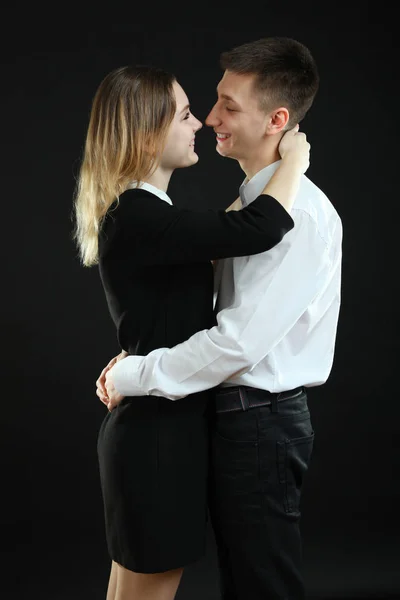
x=226, y=153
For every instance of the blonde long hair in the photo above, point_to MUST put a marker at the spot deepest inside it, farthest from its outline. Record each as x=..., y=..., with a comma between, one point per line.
x=129, y=120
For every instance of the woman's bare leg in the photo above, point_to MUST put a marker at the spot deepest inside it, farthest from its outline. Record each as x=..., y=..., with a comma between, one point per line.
x=112, y=583
x=143, y=586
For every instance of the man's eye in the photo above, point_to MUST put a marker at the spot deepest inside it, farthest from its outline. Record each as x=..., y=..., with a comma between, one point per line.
x=230, y=109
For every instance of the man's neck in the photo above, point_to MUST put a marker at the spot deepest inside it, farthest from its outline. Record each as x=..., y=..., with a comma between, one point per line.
x=253, y=164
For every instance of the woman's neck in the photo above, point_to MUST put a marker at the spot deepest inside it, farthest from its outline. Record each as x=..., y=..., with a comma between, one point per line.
x=160, y=178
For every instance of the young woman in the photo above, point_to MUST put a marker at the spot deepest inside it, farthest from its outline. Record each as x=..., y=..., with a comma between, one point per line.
x=155, y=264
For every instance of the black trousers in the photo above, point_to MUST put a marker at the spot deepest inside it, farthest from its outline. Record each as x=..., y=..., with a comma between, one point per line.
x=258, y=460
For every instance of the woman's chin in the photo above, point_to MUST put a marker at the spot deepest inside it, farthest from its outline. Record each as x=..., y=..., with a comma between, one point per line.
x=192, y=159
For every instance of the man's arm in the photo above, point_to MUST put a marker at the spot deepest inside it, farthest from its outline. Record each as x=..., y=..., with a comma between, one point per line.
x=288, y=278
x=101, y=381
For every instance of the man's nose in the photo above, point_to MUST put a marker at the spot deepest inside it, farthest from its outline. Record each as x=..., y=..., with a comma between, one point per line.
x=212, y=119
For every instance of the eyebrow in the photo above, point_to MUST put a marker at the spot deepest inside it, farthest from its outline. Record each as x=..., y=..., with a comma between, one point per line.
x=185, y=108
x=226, y=97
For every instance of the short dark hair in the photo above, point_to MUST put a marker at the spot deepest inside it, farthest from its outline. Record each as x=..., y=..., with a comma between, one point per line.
x=286, y=73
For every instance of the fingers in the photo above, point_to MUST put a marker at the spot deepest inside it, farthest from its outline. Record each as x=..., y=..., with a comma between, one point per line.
x=301, y=140
x=112, y=361
x=300, y=135
x=294, y=130
x=100, y=385
x=103, y=397
x=101, y=380
x=105, y=400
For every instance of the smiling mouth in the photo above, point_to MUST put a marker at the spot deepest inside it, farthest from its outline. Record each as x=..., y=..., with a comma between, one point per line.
x=222, y=137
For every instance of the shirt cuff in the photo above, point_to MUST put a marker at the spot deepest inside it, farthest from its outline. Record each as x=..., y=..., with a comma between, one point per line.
x=126, y=377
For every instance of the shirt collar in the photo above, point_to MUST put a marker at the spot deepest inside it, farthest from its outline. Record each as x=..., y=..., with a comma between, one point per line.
x=151, y=188
x=250, y=190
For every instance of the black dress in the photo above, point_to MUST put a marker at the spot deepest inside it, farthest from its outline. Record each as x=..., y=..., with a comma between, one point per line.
x=155, y=267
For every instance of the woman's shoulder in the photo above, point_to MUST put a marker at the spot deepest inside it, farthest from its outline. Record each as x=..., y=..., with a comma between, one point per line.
x=140, y=210
x=136, y=197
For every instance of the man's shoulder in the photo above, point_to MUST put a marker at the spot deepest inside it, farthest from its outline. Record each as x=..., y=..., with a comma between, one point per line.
x=312, y=199
x=320, y=211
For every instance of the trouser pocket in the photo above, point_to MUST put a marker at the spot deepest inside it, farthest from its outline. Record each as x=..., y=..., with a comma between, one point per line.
x=294, y=457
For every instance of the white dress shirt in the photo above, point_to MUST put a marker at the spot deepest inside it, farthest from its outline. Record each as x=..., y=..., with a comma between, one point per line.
x=277, y=313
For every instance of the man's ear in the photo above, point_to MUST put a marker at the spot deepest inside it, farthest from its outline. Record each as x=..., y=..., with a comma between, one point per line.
x=278, y=119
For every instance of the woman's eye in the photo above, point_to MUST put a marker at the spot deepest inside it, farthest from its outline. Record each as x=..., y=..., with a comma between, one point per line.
x=186, y=116
x=230, y=109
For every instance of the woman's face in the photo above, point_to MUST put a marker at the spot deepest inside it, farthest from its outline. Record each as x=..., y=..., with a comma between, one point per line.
x=179, y=149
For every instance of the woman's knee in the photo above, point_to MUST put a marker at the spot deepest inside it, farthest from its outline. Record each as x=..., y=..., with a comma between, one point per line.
x=147, y=586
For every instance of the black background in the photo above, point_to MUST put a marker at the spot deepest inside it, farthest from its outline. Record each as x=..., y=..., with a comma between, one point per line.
x=58, y=334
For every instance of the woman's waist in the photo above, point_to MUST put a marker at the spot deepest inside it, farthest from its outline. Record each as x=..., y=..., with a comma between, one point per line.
x=155, y=408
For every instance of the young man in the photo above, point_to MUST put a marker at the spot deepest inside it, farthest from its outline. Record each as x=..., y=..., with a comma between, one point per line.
x=277, y=315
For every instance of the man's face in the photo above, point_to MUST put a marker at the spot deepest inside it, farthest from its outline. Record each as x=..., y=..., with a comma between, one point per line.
x=238, y=118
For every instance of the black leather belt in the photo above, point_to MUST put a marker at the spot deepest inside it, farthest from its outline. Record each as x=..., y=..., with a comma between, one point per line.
x=243, y=397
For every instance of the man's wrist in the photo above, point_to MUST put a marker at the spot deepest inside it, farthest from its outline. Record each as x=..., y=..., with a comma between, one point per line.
x=124, y=374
